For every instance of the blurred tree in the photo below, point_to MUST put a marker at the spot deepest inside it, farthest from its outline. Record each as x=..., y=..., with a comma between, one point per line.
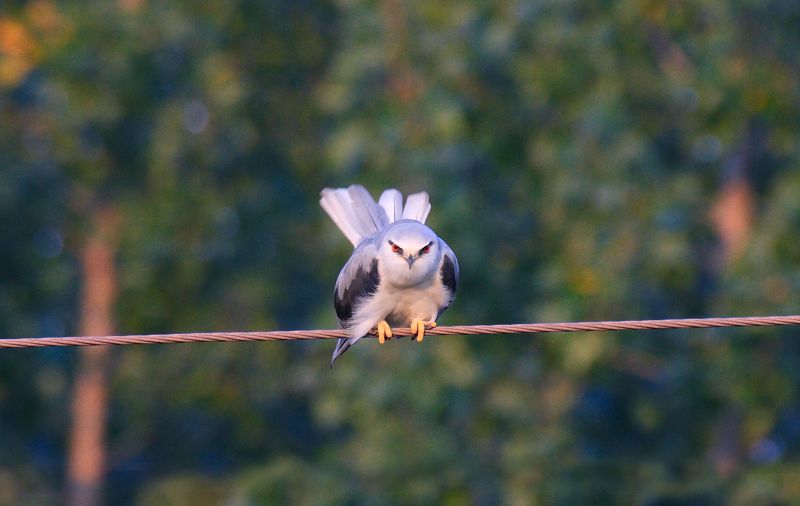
x=87, y=449
x=585, y=160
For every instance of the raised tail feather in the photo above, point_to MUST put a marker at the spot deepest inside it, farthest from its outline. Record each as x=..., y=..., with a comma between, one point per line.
x=417, y=207
x=392, y=203
x=354, y=211
x=357, y=215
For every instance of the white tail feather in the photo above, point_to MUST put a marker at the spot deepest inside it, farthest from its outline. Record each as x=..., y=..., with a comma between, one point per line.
x=392, y=203
x=357, y=215
x=371, y=215
x=354, y=211
x=417, y=207
x=333, y=204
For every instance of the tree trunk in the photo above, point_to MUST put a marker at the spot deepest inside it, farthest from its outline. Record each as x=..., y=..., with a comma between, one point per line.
x=733, y=219
x=732, y=216
x=86, y=464
x=403, y=82
x=733, y=212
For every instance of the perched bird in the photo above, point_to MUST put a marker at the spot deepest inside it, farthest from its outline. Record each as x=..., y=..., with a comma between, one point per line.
x=400, y=273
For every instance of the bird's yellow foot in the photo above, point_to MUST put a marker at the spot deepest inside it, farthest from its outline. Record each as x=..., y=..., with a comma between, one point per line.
x=419, y=327
x=384, y=331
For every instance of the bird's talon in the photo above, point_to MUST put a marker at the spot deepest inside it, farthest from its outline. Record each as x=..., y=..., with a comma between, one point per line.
x=419, y=327
x=384, y=331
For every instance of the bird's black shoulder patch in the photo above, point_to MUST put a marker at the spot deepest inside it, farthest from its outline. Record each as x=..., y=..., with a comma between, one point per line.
x=364, y=284
x=448, y=273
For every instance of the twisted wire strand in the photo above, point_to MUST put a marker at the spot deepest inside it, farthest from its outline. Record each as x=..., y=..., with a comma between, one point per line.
x=292, y=335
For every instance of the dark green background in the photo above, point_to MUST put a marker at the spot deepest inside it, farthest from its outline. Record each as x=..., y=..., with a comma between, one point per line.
x=574, y=151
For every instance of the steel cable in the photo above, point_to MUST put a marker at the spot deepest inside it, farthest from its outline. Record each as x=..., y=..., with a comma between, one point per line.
x=291, y=335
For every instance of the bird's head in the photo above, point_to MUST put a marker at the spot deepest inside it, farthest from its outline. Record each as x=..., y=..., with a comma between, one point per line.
x=409, y=252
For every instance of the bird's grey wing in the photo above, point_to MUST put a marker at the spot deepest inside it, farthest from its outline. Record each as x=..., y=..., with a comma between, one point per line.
x=449, y=272
x=359, y=279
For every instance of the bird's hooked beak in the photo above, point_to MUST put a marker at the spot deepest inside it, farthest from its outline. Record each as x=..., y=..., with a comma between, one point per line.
x=410, y=259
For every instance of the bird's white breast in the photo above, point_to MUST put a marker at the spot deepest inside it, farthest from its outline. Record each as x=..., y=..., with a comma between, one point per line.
x=422, y=302
x=398, y=306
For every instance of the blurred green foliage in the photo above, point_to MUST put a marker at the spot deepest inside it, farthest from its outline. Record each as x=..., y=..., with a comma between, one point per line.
x=576, y=153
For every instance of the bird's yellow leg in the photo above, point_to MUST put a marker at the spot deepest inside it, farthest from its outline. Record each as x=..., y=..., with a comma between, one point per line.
x=384, y=331
x=419, y=327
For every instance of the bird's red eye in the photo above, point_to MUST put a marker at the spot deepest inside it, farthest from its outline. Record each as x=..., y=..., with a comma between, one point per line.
x=396, y=248
x=425, y=249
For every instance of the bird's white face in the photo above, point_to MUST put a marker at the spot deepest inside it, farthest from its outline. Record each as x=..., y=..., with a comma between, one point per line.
x=409, y=253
